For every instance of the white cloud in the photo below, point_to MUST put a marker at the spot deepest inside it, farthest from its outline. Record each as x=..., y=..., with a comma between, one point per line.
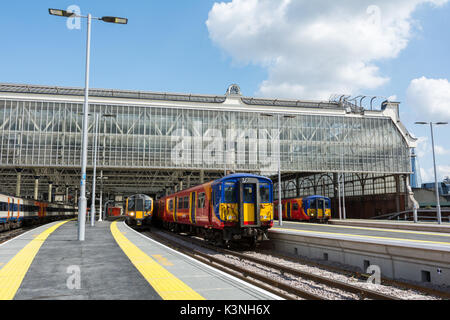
x=314, y=48
x=430, y=96
x=443, y=171
x=423, y=147
x=441, y=151
x=427, y=175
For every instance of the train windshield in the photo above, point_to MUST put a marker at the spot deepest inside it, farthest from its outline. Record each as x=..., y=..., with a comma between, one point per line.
x=139, y=204
x=230, y=192
x=148, y=205
x=264, y=192
x=319, y=203
x=249, y=194
x=130, y=204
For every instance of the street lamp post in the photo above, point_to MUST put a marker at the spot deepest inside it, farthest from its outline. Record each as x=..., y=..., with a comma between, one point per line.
x=438, y=205
x=82, y=204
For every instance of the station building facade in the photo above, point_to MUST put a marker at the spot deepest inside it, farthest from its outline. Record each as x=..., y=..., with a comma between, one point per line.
x=160, y=142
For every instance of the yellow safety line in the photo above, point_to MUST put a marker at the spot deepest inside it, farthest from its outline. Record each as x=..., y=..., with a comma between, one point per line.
x=427, y=233
x=12, y=274
x=363, y=236
x=166, y=284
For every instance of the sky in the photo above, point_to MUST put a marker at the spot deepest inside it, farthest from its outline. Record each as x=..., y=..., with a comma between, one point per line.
x=297, y=49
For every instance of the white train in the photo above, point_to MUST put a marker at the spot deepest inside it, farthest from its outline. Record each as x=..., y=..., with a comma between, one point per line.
x=15, y=212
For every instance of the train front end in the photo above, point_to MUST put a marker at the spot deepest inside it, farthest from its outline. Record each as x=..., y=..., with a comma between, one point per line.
x=318, y=208
x=244, y=204
x=139, y=210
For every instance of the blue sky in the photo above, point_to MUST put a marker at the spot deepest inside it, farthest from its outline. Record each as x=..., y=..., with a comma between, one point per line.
x=168, y=46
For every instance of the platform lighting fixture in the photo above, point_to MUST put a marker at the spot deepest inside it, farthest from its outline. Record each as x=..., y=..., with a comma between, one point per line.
x=82, y=205
x=114, y=20
x=438, y=205
x=61, y=13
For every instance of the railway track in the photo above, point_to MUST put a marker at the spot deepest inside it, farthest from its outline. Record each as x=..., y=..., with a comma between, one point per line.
x=6, y=235
x=9, y=234
x=329, y=288
x=357, y=275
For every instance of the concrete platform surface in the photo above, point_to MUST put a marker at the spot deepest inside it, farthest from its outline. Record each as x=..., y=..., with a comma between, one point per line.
x=114, y=262
x=414, y=238
x=395, y=224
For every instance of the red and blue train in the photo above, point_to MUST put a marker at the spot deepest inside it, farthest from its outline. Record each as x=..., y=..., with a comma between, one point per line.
x=311, y=208
x=238, y=207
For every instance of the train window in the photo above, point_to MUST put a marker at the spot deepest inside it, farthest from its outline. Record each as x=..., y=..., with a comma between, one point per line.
x=186, y=202
x=230, y=192
x=130, y=204
x=201, y=200
x=217, y=195
x=248, y=193
x=295, y=206
x=180, y=203
x=170, y=204
x=264, y=193
x=148, y=205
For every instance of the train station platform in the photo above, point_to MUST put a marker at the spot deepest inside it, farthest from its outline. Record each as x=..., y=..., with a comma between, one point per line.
x=394, y=224
x=359, y=231
x=405, y=255
x=114, y=262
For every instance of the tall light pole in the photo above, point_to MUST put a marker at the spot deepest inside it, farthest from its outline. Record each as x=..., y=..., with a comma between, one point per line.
x=438, y=205
x=82, y=204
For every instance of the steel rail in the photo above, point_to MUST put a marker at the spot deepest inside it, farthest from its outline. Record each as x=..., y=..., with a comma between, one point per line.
x=363, y=276
x=240, y=272
x=362, y=292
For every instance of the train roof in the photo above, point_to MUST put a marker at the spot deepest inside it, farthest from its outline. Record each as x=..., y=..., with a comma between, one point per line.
x=140, y=195
x=240, y=175
x=315, y=197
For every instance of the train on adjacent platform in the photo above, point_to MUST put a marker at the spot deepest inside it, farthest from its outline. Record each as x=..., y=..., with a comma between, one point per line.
x=16, y=212
x=139, y=210
x=311, y=208
x=237, y=207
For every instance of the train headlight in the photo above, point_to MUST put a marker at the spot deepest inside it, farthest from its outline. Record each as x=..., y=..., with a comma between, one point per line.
x=231, y=217
x=132, y=214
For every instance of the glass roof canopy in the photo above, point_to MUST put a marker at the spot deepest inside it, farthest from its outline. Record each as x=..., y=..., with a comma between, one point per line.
x=41, y=127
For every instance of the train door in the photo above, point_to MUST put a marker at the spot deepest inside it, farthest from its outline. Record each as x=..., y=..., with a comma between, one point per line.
x=249, y=202
x=318, y=206
x=9, y=207
x=139, y=210
x=192, y=213
x=322, y=209
x=288, y=209
x=175, y=209
x=209, y=205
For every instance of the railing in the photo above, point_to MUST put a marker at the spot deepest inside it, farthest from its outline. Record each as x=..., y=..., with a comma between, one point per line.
x=408, y=215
